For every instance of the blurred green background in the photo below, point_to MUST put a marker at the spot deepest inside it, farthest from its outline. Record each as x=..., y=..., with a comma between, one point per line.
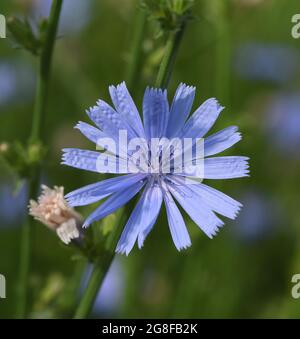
x=240, y=52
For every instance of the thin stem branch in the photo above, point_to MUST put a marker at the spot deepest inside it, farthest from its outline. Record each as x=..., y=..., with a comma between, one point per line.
x=167, y=63
x=24, y=263
x=136, y=48
x=222, y=54
x=35, y=136
x=44, y=71
x=95, y=281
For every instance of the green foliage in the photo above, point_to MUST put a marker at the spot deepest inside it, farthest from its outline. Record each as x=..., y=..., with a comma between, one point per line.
x=169, y=14
x=21, y=159
x=22, y=35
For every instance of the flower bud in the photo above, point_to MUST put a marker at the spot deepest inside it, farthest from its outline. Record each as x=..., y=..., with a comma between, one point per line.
x=52, y=210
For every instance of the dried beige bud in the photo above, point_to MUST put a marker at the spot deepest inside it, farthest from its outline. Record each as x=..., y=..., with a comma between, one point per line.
x=68, y=231
x=52, y=210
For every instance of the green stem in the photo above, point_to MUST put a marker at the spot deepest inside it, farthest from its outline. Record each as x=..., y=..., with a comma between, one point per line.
x=136, y=48
x=24, y=263
x=168, y=60
x=222, y=54
x=44, y=71
x=39, y=112
x=99, y=272
x=25, y=254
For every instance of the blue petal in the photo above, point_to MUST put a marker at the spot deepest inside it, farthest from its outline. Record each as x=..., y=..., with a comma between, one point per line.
x=81, y=159
x=155, y=112
x=180, y=109
x=218, y=201
x=226, y=167
x=126, y=108
x=99, y=138
x=141, y=219
x=177, y=226
x=95, y=192
x=91, y=160
x=221, y=140
x=202, y=119
x=91, y=132
x=108, y=120
x=214, y=199
x=157, y=198
x=196, y=208
x=114, y=202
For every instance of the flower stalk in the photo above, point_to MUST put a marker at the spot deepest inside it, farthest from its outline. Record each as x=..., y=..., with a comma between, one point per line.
x=136, y=48
x=45, y=59
x=95, y=281
x=218, y=10
x=44, y=71
x=167, y=63
x=100, y=269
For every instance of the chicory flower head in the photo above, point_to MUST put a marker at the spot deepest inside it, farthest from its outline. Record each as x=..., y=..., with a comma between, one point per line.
x=165, y=158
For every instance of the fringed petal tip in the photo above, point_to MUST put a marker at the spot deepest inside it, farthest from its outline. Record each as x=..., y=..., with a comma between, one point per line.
x=123, y=250
x=78, y=125
x=215, y=101
x=119, y=86
x=156, y=91
x=85, y=225
x=186, y=87
x=70, y=202
x=184, y=248
x=237, y=212
x=216, y=230
x=246, y=166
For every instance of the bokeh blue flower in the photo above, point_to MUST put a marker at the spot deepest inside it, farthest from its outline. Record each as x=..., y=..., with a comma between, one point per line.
x=13, y=204
x=75, y=14
x=273, y=63
x=282, y=123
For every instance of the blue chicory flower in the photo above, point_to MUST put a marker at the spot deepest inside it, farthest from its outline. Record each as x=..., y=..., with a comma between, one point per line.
x=159, y=122
x=274, y=63
x=282, y=123
x=254, y=223
x=12, y=204
x=16, y=82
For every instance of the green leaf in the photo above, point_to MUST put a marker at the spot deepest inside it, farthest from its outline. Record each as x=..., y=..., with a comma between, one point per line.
x=22, y=35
